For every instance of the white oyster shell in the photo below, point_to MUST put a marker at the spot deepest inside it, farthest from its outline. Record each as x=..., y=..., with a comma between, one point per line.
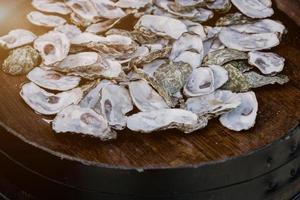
x=188, y=49
x=53, y=47
x=267, y=63
x=17, y=38
x=71, y=31
x=82, y=120
x=74, y=62
x=115, y=103
x=205, y=80
x=248, y=42
x=254, y=8
x=86, y=38
x=163, y=119
x=40, y=19
x=84, y=10
x=107, y=9
x=219, y=102
x=145, y=97
x=51, y=6
x=48, y=103
x=52, y=80
x=244, y=116
x=102, y=26
x=135, y=4
x=185, y=3
x=260, y=26
x=162, y=25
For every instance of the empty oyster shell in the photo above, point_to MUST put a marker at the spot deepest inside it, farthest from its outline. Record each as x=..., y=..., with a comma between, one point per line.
x=248, y=42
x=85, y=38
x=40, y=19
x=53, y=47
x=82, y=120
x=188, y=49
x=21, y=60
x=261, y=26
x=17, y=38
x=78, y=62
x=244, y=116
x=254, y=8
x=84, y=10
x=214, y=104
x=150, y=121
x=115, y=102
x=205, y=80
x=71, y=31
x=51, y=6
x=53, y=80
x=151, y=67
x=242, y=82
x=223, y=56
x=108, y=9
x=47, y=103
x=188, y=3
x=162, y=25
x=102, y=26
x=267, y=63
x=145, y=97
x=195, y=28
x=135, y=4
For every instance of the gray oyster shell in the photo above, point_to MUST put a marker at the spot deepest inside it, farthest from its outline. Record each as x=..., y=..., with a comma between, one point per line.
x=223, y=56
x=21, y=60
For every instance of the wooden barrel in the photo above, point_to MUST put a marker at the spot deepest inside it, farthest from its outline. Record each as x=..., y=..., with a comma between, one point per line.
x=214, y=163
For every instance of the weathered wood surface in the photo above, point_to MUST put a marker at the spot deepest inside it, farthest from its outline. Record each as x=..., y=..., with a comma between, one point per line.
x=279, y=111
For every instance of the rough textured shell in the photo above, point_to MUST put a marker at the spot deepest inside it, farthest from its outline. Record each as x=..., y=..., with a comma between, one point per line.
x=21, y=61
x=40, y=19
x=150, y=121
x=223, y=56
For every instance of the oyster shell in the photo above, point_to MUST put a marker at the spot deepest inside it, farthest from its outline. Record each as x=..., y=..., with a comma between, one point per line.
x=53, y=80
x=248, y=42
x=244, y=116
x=220, y=5
x=102, y=26
x=254, y=8
x=188, y=49
x=145, y=97
x=205, y=80
x=242, y=82
x=71, y=31
x=17, y=38
x=115, y=102
x=51, y=6
x=40, y=19
x=214, y=104
x=48, y=103
x=108, y=9
x=195, y=28
x=151, y=121
x=267, y=63
x=162, y=25
x=223, y=56
x=233, y=19
x=135, y=4
x=82, y=120
x=84, y=10
x=188, y=3
x=21, y=60
x=53, y=47
x=85, y=38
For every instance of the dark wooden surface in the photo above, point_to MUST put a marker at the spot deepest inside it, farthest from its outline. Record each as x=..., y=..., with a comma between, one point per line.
x=279, y=111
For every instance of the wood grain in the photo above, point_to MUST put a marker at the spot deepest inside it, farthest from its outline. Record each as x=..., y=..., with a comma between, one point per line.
x=279, y=111
x=291, y=8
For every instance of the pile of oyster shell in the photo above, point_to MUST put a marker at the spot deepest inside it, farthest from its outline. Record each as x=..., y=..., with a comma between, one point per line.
x=169, y=70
